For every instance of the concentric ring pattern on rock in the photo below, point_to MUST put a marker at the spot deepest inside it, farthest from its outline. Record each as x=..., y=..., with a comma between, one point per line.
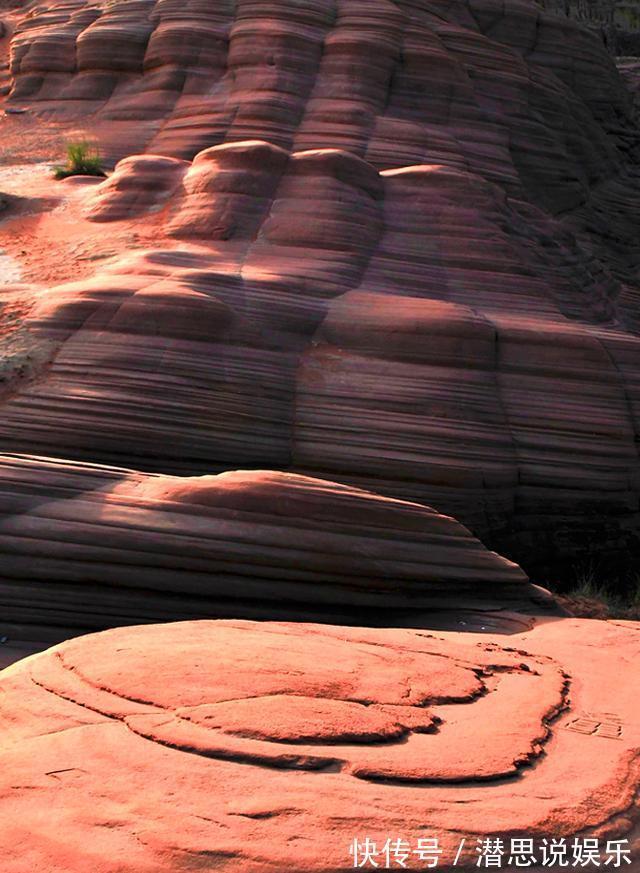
x=260, y=746
x=398, y=249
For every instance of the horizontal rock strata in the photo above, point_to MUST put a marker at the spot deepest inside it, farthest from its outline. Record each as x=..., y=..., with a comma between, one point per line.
x=397, y=247
x=424, y=336
x=85, y=546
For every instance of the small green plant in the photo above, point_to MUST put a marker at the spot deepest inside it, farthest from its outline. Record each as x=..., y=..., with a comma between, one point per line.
x=83, y=159
x=634, y=592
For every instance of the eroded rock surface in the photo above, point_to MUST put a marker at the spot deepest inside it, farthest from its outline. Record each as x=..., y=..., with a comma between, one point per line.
x=245, y=746
x=397, y=247
x=389, y=249
x=88, y=547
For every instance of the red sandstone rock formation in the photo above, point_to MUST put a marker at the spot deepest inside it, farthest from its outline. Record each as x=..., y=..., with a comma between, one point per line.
x=390, y=250
x=404, y=257
x=91, y=547
x=252, y=747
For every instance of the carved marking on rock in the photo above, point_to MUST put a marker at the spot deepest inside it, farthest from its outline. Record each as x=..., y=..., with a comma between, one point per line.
x=603, y=724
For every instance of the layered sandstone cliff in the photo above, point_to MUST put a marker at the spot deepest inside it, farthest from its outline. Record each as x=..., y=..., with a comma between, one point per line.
x=397, y=248
x=359, y=300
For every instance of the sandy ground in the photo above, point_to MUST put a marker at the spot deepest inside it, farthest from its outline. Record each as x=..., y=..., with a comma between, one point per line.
x=44, y=237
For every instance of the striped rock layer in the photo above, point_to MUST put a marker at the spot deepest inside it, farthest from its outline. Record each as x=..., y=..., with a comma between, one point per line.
x=399, y=250
x=414, y=332
x=86, y=547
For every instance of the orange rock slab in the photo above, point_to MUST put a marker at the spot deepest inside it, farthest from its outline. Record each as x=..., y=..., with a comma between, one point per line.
x=250, y=747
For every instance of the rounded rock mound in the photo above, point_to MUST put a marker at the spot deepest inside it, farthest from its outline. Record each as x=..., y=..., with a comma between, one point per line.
x=87, y=547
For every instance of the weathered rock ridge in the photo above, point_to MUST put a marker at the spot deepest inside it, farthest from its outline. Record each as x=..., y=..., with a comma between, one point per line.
x=86, y=547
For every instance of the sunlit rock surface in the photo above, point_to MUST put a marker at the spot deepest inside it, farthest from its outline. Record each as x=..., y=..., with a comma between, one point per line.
x=359, y=301
x=255, y=747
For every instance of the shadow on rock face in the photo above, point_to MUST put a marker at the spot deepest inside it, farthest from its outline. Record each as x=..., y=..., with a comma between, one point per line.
x=89, y=547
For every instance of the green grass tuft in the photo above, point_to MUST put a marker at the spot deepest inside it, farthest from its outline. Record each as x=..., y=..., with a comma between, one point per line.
x=589, y=597
x=83, y=159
